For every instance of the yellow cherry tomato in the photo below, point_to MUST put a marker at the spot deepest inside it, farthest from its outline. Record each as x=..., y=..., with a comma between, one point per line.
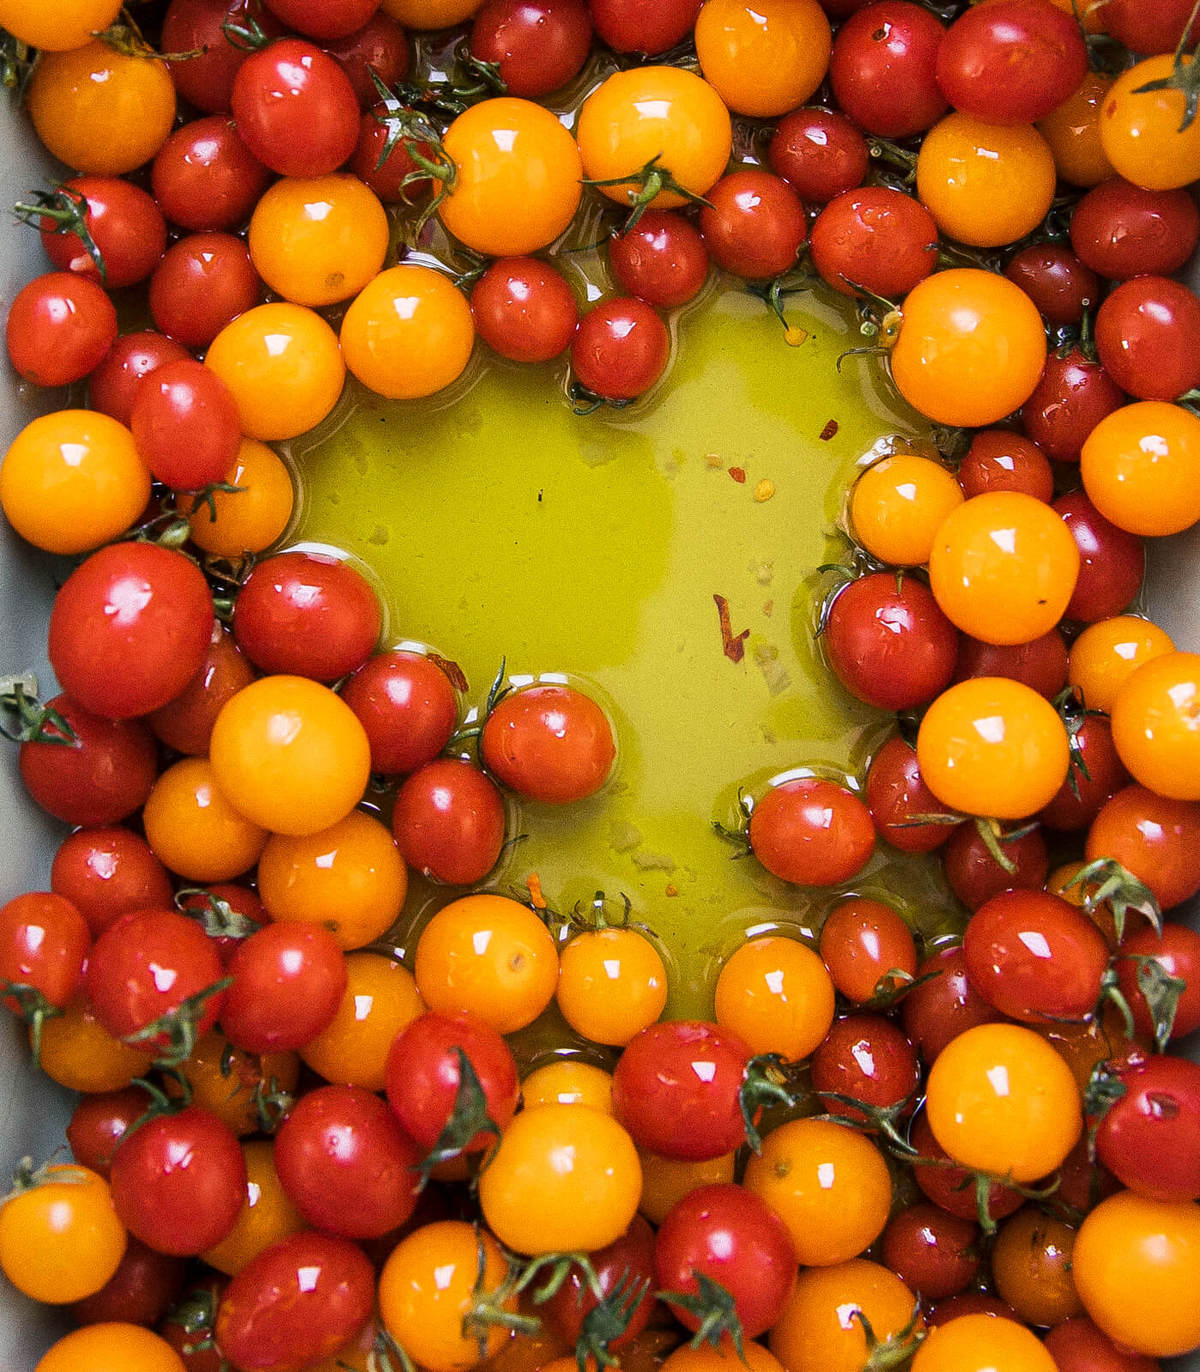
x=99, y=111
x=1031, y=1266
x=111, y=1346
x=490, y=955
x=290, y=755
x=563, y=1178
x=664, y=116
x=80, y=1054
x=763, y=58
x=72, y=480
x=380, y=1001
x=970, y=348
x=667, y=1180
x=430, y=14
x=829, y=1184
x=60, y=1237
x=266, y=1216
x=251, y=518
x=1072, y=132
x=1000, y=1100
x=430, y=1285
x=408, y=333
x=1136, y=1266
x=611, y=984
x=1108, y=652
x=568, y=1081
x=776, y=994
x=234, y=1085
x=56, y=25
x=516, y=184
x=982, y=1343
x=1143, y=131
x=1156, y=725
x=992, y=746
x=1003, y=567
x=898, y=504
x=823, y=1325
x=1141, y=467
x=349, y=877
x=194, y=830
x=317, y=240
x=284, y=366
x=985, y=184
x=723, y=1358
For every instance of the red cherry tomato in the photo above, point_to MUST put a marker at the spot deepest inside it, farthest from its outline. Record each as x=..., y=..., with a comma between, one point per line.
x=59, y=328
x=185, y=425
x=620, y=350
x=550, y=743
x=811, y=832
x=449, y=821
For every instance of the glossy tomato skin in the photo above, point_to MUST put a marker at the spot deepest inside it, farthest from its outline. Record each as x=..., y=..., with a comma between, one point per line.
x=1035, y=957
x=380, y=45
x=105, y=872
x=676, y=1089
x=883, y=68
x=861, y=942
x=1112, y=562
x=524, y=309
x=1078, y=1345
x=753, y=225
x=1149, y=1138
x=185, y=723
x=346, y=1164
x=819, y=153
x=1154, y=837
x=307, y=614
x=1075, y=808
x=550, y=743
x=1121, y=230
x=639, y=26
x=196, y=27
x=1072, y=396
x=1057, y=281
x=628, y=1259
x=203, y=281
x=179, y=1181
x=114, y=383
x=185, y=425
x=895, y=793
x=811, y=831
x=139, y=1292
x=932, y=1251
x=1040, y=664
x=975, y=876
x=888, y=642
x=59, y=327
x=620, y=349
x=539, y=45
x=288, y=980
x=295, y=108
x=1177, y=951
x=875, y=238
x=44, y=942
x=408, y=707
x=129, y=628
x=662, y=260
x=1148, y=337
x=867, y=1058
x=103, y=777
x=733, y=1237
x=304, y=1297
x=323, y=21
x=125, y=225
x=950, y=1188
x=205, y=178
x=944, y=1004
x=449, y=821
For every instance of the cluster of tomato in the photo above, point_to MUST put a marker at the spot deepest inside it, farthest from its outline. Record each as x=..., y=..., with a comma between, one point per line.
x=336, y=1161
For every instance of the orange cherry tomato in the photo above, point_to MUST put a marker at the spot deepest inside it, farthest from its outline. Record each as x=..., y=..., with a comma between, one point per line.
x=1143, y=131
x=667, y=1180
x=1108, y=652
x=1141, y=467
x=823, y=1325
x=568, y=1081
x=1031, y=1266
x=1156, y=725
x=611, y=984
x=898, y=504
x=766, y=58
x=1072, y=132
x=982, y=1343
x=775, y=993
x=194, y=830
x=250, y=518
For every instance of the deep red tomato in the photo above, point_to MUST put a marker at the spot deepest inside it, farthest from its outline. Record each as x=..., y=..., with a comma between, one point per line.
x=107, y=871
x=819, y=153
x=538, y=45
x=179, y=1181
x=104, y=776
x=524, y=309
x=895, y=794
x=1112, y=561
x=1077, y=1345
x=143, y=968
x=975, y=876
x=641, y=25
x=1156, y=839
x=449, y=820
x=1148, y=337
x=1076, y=805
x=60, y=325
x=346, y=1164
x=677, y=1089
x=114, y=383
x=662, y=259
x=731, y=1236
x=241, y=900
x=1177, y=952
x=288, y=981
x=550, y=743
x=323, y=19
x=1035, y=957
x=129, y=628
x=1057, y=282
x=862, y=942
x=811, y=832
x=953, y=1188
x=202, y=282
x=185, y=722
x=888, y=642
x=1012, y=61
x=424, y=1079
x=934, y=1253
x=1150, y=29
x=1150, y=1137
x=380, y=45
x=198, y=27
x=1072, y=396
x=875, y=238
x=753, y=224
x=882, y=68
x=621, y=1268
x=1120, y=230
x=186, y=427
x=869, y=1059
x=299, y=1300
x=944, y=1003
x=1001, y=460
x=44, y=942
x=1041, y=663
x=620, y=349
x=295, y=108
x=125, y=227
x=205, y=178
x=408, y=706
x=98, y=1123
x=145, y=1284
x=387, y=171
x=307, y=614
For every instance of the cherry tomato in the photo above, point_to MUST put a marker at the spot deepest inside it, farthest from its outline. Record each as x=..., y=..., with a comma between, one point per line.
x=127, y=230
x=1040, y=663
x=882, y=68
x=665, y=1181
x=550, y=743
x=1154, y=30
x=1075, y=807
x=612, y=983
x=288, y=981
x=1153, y=725
x=753, y=224
x=538, y=45
x=897, y=505
x=1152, y=836
x=69, y=25
x=1110, y=651
x=44, y=943
x=1145, y=133
x=620, y=349
x=863, y=944
x=185, y=424
x=80, y=1054
x=205, y=178
x=185, y=722
x=111, y=1346
x=331, y=20
x=956, y=1189
x=524, y=309
x=1148, y=336
x=1078, y=1345
x=408, y=707
x=1072, y=129
x=379, y=45
x=865, y=1058
x=819, y=153
x=774, y=993
x=1138, y=467
x=60, y=325
x=197, y=27
x=896, y=795
x=763, y=62
x=1148, y=1136
x=203, y=281
x=982, y=1343
x=934, y=1253
x=1177, y=952
x=620, y=1267
x=1073, y=395
x=139, y=1291
x=267, y=1214
x=627, y=26
x=1057, y=281
x=876, y=239
x=974, y=875
x=824, y=1323
x=1121, y=230
x=254, y=515
x=106, y=871
x=811, y=831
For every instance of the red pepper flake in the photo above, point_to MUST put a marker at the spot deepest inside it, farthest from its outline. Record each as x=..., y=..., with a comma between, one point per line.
x=828, y=431
x=733, y=645
x=458, y=678
x=533, y=884
x=738, y=474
